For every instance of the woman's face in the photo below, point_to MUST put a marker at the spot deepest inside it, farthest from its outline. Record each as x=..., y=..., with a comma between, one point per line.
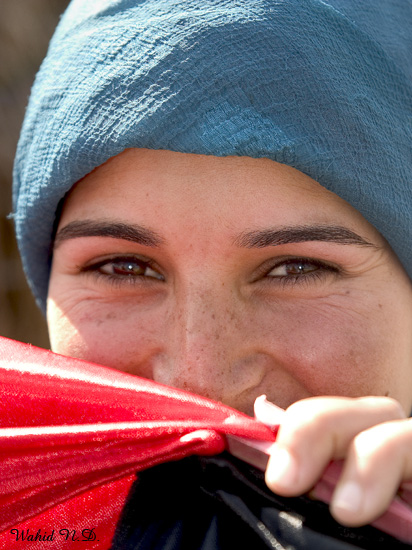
x=228, y=277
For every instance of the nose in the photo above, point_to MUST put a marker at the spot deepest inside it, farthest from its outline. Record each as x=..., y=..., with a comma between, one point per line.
x=207, y=350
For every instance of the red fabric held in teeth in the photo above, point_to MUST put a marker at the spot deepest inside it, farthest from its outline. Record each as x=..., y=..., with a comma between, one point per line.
x=72, y=436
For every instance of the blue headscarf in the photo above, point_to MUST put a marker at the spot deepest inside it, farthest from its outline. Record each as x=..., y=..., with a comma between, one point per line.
x=323, y=86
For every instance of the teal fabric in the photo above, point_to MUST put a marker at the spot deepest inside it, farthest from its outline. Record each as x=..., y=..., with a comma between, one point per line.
x=323, y=86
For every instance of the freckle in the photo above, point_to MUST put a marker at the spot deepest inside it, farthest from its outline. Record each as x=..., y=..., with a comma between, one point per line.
x=386, y=394
x=347, y=292
x=213, y=316
x=380, y=306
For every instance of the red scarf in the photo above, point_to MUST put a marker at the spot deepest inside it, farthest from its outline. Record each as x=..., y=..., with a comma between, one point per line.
x=72, y=436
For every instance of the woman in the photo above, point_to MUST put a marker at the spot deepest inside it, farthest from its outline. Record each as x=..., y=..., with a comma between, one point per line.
x=225, y=190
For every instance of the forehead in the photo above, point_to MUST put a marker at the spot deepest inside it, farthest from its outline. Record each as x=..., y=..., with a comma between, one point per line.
x=165, y=187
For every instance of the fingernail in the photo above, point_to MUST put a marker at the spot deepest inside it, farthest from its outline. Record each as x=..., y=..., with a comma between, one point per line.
x=283, y=470
x=348, y=497
x=268, y=413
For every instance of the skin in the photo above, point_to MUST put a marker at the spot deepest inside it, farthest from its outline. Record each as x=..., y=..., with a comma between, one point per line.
x=316, y=317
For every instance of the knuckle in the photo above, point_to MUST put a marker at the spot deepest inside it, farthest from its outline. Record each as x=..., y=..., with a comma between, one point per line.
x=386, y=438
x=394, y=408
x=308, y=420
x=367, y=442
x=367, y=424
x=318, y=409
x=305, y=417
x=389, y=407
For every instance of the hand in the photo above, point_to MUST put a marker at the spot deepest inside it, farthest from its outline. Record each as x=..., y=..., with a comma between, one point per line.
x=370, y=434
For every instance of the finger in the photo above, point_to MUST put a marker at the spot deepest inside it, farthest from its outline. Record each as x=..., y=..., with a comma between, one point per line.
x=379, y=459
x=314, y=431
x=405, y=493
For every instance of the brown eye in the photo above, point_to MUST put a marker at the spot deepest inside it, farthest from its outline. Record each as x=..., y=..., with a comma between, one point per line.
x=126, y=268
x=294, y=268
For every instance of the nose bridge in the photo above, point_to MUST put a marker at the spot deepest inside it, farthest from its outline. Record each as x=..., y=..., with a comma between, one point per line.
x=204, y=346
x=203, y=313
x=201, y=327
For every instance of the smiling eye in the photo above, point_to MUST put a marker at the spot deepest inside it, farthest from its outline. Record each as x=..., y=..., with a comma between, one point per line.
x=301, y=270
x=127, y=268
x=294, y=268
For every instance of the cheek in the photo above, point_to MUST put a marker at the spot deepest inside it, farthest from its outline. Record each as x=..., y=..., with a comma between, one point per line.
x=339, y=347
x=121, y=336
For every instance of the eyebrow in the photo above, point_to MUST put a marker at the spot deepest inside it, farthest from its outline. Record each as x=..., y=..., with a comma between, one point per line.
x=298, y=234
x=252, y=239
x=116, y=230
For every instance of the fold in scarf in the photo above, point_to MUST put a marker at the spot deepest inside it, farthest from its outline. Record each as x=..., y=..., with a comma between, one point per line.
x=73, y=435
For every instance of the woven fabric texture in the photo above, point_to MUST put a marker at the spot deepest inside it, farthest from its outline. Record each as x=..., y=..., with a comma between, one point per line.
x=323, y=86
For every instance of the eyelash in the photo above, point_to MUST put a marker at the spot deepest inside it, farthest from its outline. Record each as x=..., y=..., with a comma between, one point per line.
x=127, y=278
x=320, y=271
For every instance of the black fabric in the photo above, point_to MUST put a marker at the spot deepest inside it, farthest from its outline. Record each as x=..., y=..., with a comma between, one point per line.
x=220, y=503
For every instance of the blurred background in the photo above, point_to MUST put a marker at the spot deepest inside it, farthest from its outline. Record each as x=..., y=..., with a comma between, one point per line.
x=26, y=27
